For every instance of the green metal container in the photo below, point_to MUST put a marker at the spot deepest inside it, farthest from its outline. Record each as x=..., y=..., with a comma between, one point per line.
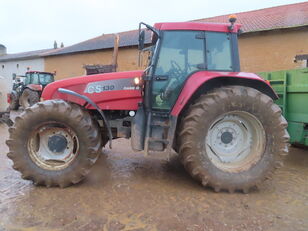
x=292, y=89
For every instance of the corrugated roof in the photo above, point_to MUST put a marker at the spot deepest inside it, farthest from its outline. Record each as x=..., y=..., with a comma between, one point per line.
x=279, y=17
x=24, y=55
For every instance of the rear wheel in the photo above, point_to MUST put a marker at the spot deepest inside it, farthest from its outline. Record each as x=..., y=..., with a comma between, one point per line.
x=54, y=143
x=29, y=98
x=233, y=138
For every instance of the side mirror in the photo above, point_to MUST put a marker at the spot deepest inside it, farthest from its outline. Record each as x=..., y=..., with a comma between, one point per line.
x=141, y=40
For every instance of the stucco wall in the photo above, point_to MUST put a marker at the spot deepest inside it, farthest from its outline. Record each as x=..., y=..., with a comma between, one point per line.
x=72, y=65
x=19, y=67
x=273, y=50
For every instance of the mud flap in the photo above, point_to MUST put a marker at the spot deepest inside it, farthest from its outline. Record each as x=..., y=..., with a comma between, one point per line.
x=138, y=130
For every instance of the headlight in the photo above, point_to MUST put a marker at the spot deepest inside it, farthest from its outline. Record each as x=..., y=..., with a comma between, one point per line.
x=137, y=81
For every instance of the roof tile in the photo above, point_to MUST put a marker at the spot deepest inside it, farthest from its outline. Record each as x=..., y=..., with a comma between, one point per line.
x=278, y=17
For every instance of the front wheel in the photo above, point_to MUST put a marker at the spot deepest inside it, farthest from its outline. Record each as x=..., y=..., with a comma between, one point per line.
x=29, y=98
x=54, y=143
x=233, y=138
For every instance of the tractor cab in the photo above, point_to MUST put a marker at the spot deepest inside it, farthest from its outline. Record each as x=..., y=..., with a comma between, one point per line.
x=182, y=49
x=179, y=51
x=38, y=78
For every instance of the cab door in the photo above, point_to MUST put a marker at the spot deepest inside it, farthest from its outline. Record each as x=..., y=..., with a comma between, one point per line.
x=181, y=53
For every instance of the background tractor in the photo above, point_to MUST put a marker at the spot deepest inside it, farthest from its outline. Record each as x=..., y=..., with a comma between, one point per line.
x=27, y=89
x=191, y=98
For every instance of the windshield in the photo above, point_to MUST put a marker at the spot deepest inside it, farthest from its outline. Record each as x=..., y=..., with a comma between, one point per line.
x=46, y=78
x=32, y=78
x=39, y=78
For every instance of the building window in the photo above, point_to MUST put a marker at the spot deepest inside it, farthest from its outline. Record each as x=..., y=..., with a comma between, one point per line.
x=301, y=58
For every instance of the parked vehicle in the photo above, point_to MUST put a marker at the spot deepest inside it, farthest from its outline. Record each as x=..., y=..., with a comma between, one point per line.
x=292, y=88
x=191, y=98
x=27, y=89
x=4, y=112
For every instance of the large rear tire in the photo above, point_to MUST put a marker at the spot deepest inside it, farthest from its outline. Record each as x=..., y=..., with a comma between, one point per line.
x=233, y=138
x=28, y=98
x=54, y=143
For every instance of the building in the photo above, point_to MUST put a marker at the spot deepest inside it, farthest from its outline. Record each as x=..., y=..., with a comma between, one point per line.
x=272, y=37
x=70, y=61
x=271, y=40
x=19, y=63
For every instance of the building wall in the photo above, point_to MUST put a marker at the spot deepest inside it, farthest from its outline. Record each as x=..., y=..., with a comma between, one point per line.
x=272, y=50
x=19, y=67
x=72, y=64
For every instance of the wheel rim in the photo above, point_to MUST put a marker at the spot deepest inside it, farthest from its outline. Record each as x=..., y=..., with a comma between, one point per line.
x=53, y=146
x=235, y=141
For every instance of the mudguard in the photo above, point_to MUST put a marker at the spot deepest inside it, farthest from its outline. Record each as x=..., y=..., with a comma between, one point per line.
x=110, y=91
x=209, y=80
x=35, y=87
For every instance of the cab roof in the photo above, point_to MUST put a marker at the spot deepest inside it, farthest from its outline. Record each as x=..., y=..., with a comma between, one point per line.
x=216, y=27
x=40, y=72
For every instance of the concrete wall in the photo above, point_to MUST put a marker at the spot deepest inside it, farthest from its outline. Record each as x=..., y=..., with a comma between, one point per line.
x=262, y=51
x=6, y=85
x=19, y=67
x=72, y=64
x=273, y=50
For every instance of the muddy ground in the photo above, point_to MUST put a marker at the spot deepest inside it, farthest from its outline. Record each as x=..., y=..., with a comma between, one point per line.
x=127, y=191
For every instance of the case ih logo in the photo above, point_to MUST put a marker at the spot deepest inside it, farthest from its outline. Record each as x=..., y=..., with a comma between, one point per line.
x=111, y=85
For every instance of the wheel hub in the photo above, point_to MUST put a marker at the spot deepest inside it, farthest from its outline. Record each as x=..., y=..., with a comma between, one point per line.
x=235, y=141
x=226, y=137
x=57, y=143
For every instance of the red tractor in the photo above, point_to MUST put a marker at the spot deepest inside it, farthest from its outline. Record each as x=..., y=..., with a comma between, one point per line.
x=192, y=98
x=28, y=91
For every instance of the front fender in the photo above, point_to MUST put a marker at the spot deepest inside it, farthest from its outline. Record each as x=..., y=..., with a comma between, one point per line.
x=204, y=81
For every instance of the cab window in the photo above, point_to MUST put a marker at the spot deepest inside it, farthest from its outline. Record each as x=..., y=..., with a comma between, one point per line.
x=181, y=53
x=218, y=51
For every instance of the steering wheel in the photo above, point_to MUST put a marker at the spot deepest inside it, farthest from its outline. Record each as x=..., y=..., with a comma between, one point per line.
x=175, y=75
x=176, y=69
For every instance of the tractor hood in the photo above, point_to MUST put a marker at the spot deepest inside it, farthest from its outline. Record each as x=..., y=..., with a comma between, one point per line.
x=110, y=91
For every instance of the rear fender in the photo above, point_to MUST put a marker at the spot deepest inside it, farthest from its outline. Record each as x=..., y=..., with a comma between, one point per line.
x=204, y=81
x=35, y=87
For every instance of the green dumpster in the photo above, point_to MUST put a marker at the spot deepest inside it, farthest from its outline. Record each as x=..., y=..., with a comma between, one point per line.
x=292, y=89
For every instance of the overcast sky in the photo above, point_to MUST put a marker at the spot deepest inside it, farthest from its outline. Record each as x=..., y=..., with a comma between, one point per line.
x=27, y=25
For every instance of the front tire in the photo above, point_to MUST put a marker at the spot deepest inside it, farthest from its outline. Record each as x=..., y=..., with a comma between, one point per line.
x=28, y=98
x=14, y=104
x=54, y=143
x=233, y=138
